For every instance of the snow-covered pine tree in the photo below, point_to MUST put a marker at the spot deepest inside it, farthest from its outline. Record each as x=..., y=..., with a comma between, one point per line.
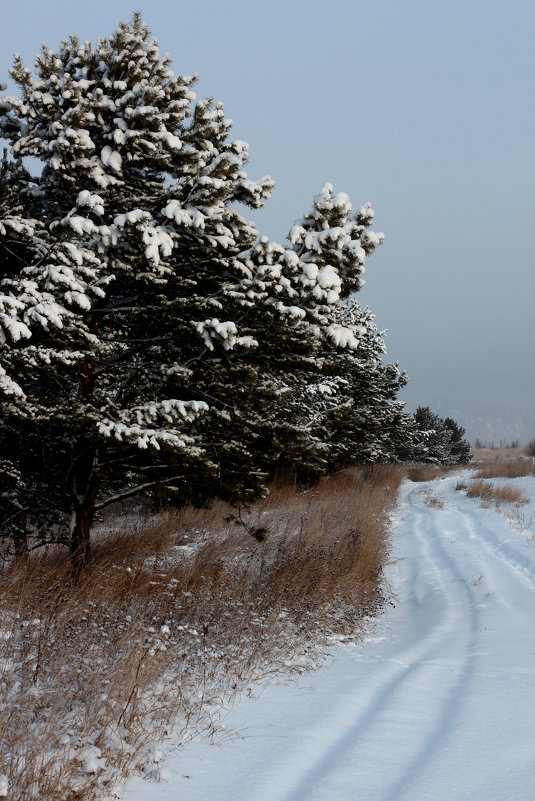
x=336, y=397
x=151, y=339
x=459, y=446
x=426, y=441
x=368, y=422
x=16, y=238
x=129, y=292
x=434, y=440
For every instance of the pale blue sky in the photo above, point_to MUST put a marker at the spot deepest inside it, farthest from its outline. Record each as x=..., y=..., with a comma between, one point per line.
x=425, y=108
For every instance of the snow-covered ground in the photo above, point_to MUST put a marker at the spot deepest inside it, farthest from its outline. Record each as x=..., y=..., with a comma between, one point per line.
x=438, y=703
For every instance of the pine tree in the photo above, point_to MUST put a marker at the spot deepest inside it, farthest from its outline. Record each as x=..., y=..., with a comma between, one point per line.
x=434, y=440
x=371, y=421
x=128, y=289
x=459, y=447
x=337, y=398
x=152, y=342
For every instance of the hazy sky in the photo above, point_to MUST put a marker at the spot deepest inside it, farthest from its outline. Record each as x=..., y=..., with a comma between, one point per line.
x=425, y=108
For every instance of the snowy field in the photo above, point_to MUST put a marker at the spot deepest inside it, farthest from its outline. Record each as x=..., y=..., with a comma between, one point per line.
x=436, y=704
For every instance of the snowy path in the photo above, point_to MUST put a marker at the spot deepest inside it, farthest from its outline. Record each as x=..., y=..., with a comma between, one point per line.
x=438, y=704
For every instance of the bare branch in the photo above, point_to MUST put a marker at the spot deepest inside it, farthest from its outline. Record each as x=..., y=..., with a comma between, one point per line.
x=120, y=496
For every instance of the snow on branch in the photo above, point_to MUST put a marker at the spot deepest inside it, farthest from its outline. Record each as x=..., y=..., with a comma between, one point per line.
x=145, y=425
x=345, y=337
x=214, y=331
x=10, y=387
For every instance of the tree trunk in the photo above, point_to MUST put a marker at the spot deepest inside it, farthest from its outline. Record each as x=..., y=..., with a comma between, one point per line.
x=81, y=539
x=20, y=539
x=84, y=487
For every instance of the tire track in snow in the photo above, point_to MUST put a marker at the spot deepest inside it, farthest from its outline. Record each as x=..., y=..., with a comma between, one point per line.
x=503, y=551
x=438, y=706
x=441, y=605
x=463, y=622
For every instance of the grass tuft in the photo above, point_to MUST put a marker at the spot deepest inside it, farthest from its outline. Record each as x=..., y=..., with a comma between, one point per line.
x=530, y=449
x=492, y=493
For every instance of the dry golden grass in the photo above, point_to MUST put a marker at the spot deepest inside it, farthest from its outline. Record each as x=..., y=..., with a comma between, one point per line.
x=492, y=493
x=496, y=454
x=434, y=501
x=177, y=613
x=512, y=468
x=428, y=472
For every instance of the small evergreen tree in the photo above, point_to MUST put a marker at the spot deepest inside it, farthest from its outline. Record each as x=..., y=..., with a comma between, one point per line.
x=459, y=447
x=434, y=440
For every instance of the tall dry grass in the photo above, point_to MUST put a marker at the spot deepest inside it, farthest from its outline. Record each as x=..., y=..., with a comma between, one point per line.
x=428, y=472
x=510, y=468
x=501, y=462
x=492, y=493
x=177, y=614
